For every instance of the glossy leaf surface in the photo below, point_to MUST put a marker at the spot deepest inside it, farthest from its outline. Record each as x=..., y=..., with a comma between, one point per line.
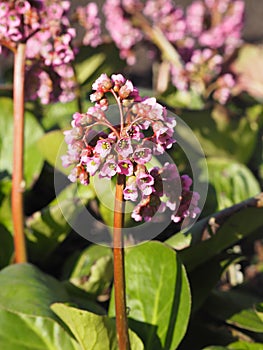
x=92, y=331
x=158, y=295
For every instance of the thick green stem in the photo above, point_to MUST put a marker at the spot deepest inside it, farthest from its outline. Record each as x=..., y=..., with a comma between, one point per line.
x=18, y=155
x=119, y=272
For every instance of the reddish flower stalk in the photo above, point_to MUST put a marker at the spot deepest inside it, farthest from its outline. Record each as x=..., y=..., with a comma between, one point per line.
x=18, y=155
x=123, y=151
x=119, y=272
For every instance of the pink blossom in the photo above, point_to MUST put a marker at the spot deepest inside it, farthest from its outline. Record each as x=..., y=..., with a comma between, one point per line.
x=145, y=183
x=131, y=192
x=125, y=167
x=103, y=148
x=142, y=155
x=124, y=147
x=92, y=164
x=109, y=169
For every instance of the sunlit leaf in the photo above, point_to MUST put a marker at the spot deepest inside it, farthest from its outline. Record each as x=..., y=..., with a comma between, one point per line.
x=242, y=345
x=233, y=182
x=158, y=295
x=93, y=272
x=25, y=332
x=92, y=331
x=87, y=67
x=52, y=146
x=236, y=307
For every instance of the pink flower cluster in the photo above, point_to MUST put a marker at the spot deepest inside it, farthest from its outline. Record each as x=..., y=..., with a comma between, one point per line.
x=18, y=21
x=121, y=29
x=205, y=36
x=88, y=17
x=144, y=131
x=44, y=27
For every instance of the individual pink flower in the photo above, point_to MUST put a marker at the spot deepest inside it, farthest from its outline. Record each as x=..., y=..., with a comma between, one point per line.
x=142, y=155
x=131, y=191
x=124, y=147
x=109, y=169
x=103, y=148
x=125, y=167
x=145, y=183
x=91, y=163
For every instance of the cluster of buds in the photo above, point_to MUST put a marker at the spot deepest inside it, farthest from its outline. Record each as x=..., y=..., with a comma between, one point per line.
x=205, y=36
x=44, y=26
x=144, y=131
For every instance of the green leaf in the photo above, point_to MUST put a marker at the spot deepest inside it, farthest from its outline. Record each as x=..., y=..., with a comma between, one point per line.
x=242, y=345
x=247, y=319
x=47, y=228
x=5, y=204
x=85, y=69
x=25, y=289
x=215, y=348
x=93, y=271
x=239, y=225
x=209, y=273
x=184, y=99
x=58, y=114
x=220, y=134
x=236, y=307
x=233, y=182
x=24, y=332
x=259, y=311
x=93, y=332
x=158, y=295
x=52, y=146
x=6, y=246
x=33, y=160
x=82, y=299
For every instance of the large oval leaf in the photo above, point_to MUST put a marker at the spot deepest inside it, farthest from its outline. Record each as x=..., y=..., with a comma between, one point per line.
x=33, y=160
x=158, y=295
x=25, y=289
x=24, y=332
x=92, y=331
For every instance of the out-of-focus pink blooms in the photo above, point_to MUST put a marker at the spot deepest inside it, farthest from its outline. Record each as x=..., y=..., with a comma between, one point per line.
x=225, y=84
x=88, y=17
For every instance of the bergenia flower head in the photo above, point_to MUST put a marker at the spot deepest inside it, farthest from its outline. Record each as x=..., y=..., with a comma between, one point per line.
x=44, y=27
x=127, y=149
